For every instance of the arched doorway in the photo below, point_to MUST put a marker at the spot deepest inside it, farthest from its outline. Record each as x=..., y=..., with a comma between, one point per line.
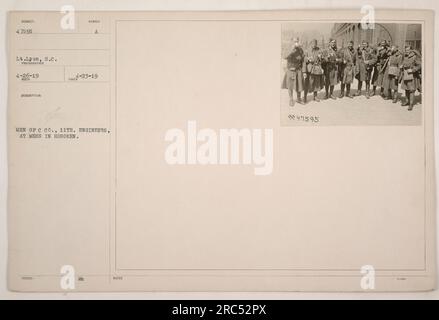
x=383, y=34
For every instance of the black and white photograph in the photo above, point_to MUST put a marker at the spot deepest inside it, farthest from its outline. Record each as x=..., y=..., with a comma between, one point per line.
x=351, y=74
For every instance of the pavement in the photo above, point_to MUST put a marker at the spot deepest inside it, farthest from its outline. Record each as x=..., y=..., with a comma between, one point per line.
x=358, y=111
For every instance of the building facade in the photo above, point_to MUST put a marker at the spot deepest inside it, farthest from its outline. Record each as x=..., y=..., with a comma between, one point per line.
x=395, y=33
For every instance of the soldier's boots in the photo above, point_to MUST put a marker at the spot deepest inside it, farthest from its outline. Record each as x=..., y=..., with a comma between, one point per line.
x=358, y=93
x=316, y=98
x=342, y=87
x=374, y=90
x=389, y=95
x=367, y=91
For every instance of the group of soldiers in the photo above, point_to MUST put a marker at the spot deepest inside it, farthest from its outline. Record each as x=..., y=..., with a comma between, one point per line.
x=383, y=66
